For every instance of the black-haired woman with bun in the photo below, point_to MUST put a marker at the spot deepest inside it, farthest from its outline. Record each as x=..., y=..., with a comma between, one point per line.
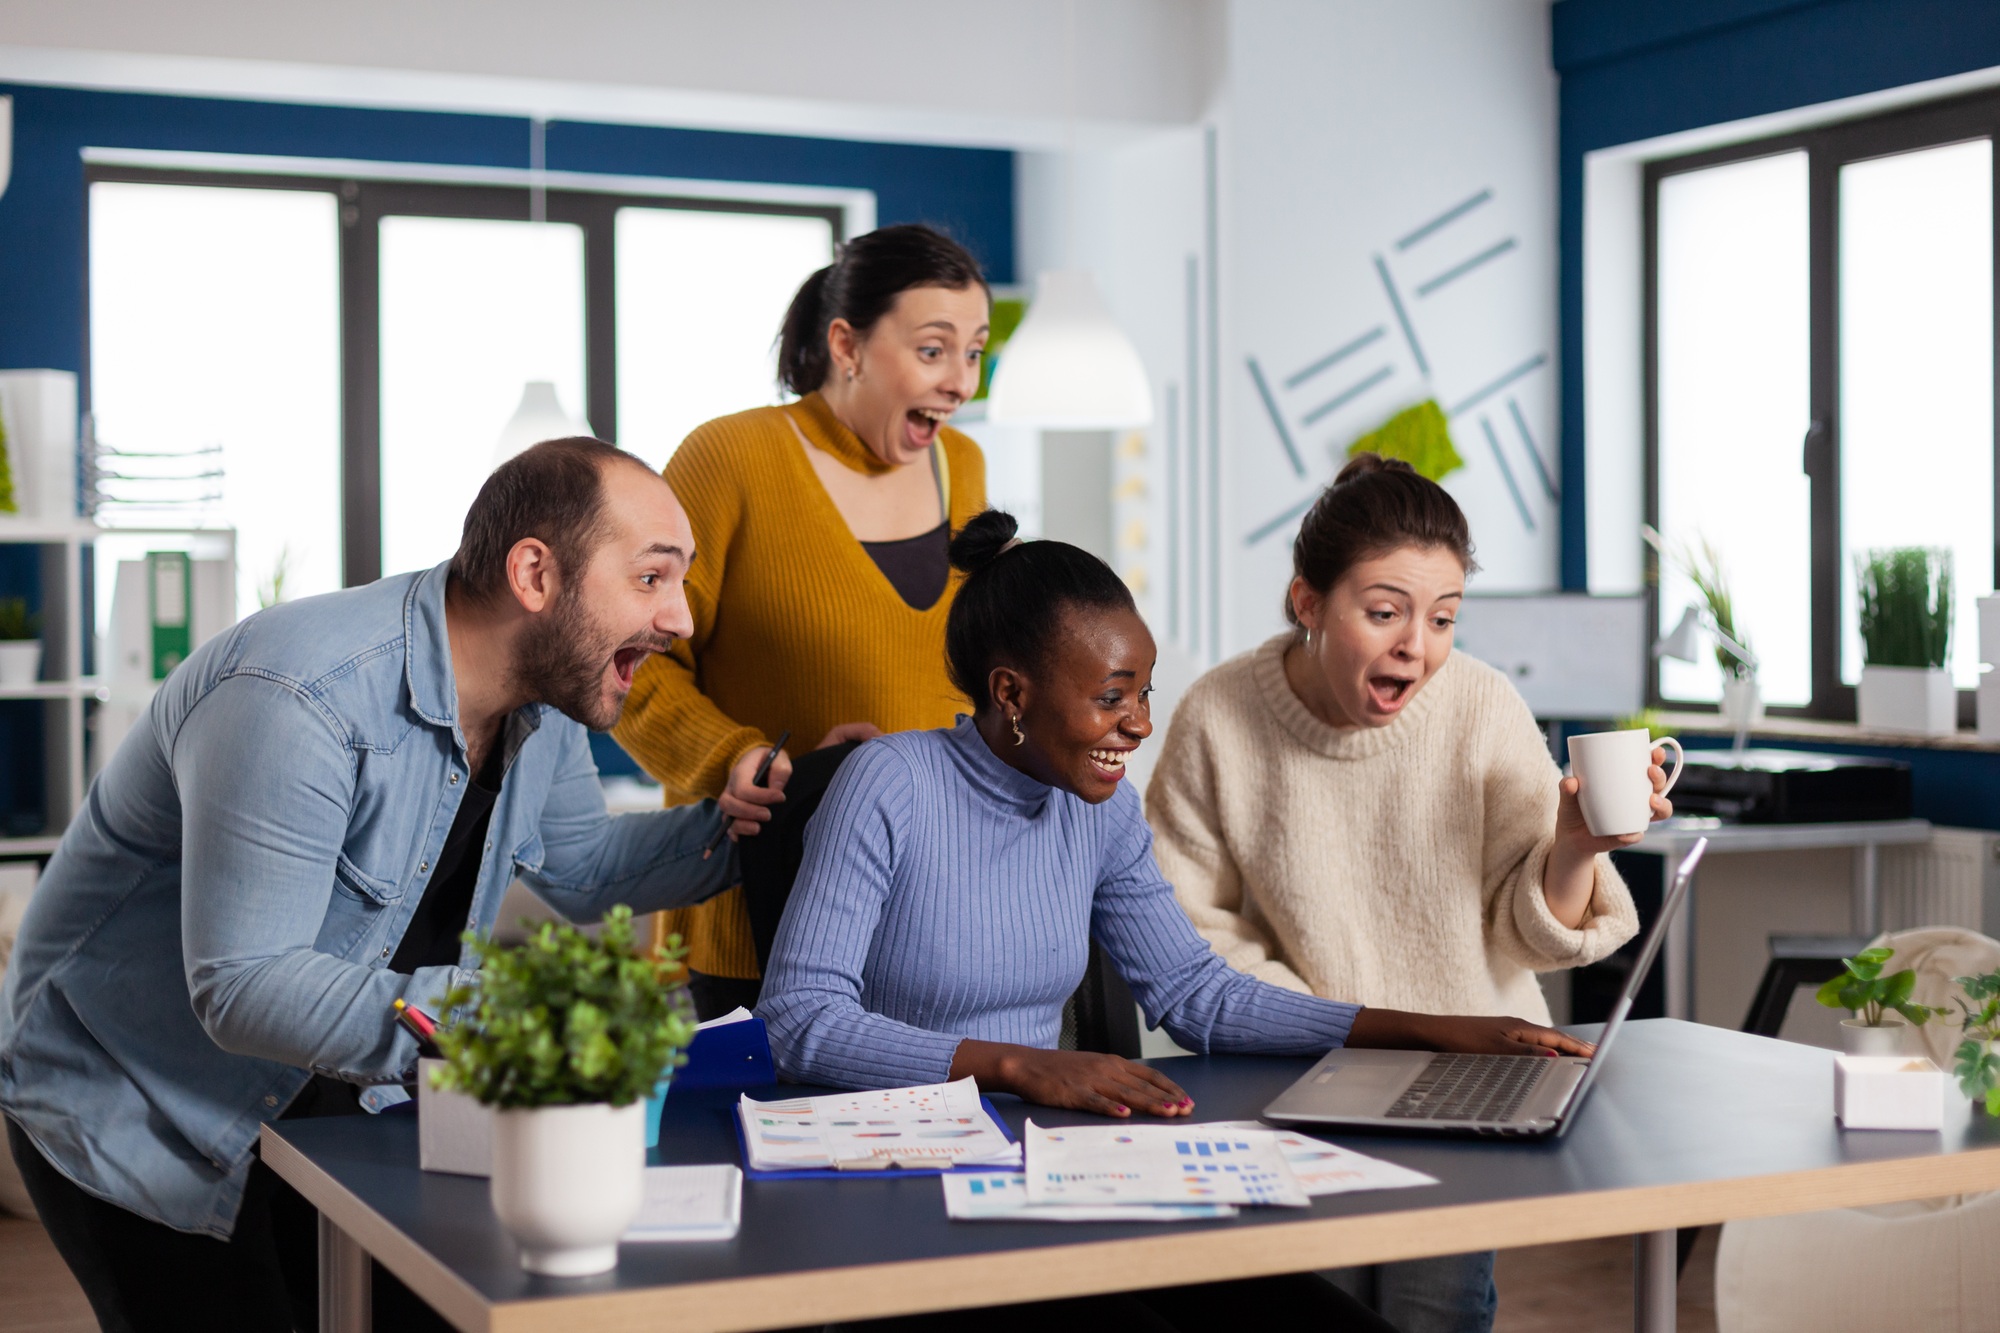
x=820, y=596
x=953, y=879
x=1355, y=810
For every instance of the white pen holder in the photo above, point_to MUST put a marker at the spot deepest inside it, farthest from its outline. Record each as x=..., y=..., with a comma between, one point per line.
x=1887, y=1092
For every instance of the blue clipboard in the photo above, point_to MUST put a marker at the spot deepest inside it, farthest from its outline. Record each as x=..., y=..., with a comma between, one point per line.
x=876, y=1173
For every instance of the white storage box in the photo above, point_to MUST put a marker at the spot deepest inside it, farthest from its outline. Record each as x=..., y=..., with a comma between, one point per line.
x=454, y=1132
x=1888, y=1092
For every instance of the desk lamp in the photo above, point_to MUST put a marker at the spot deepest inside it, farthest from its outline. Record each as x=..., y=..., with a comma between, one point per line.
x=1683, y=643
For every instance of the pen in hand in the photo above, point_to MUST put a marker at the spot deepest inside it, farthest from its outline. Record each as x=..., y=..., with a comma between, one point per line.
x=758, y=779
x=419, y=1025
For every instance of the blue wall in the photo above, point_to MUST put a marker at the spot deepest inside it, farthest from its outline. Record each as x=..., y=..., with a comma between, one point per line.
x=1634, y=69
x=968, y=191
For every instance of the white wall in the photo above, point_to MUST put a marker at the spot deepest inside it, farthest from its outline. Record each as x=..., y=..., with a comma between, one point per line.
x=1350, y=125
x=991, y=73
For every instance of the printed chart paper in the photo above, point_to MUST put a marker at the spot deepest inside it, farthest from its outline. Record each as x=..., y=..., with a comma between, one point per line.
x=689, y=1203
x=1327, y=1168
x=1002, y=1196
x=1178, y=1164
x=940, y=1124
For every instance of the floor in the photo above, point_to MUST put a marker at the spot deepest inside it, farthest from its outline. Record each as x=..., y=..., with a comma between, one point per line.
x=37, y=1294
x=1586, y=1287
x=1578, y=1288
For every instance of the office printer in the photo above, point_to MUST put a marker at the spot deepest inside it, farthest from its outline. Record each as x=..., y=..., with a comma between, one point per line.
x=1791, y=787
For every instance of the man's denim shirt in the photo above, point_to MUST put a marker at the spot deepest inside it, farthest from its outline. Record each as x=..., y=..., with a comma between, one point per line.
x=219, y=918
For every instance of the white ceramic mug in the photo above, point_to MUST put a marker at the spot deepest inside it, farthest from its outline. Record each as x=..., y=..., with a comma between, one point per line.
x=1612, y=786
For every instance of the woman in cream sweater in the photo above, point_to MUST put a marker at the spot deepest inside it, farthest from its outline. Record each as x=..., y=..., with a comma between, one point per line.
x=1354, y=810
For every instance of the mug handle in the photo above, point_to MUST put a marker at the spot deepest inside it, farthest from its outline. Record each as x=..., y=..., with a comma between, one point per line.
x=1680, y=757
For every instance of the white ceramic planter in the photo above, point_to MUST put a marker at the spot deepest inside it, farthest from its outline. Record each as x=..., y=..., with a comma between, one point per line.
x=1857, y=1038
x=1917, y=699
x=1742, y=702
x=20, y=662
x=567, y=1181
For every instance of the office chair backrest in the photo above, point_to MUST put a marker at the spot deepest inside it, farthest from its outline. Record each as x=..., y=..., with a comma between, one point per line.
x=1100, y=1016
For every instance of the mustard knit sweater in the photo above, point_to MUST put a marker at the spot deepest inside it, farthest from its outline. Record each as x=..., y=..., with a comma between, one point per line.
x=794, y=626
x=1398, y=866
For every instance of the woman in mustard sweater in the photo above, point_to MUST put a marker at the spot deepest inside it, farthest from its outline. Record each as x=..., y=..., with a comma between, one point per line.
x=820, y=596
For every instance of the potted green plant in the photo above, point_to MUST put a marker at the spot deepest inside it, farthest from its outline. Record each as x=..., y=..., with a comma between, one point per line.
x=20, y=644
x=1874, y=1000
x=1742, y=704
x=1977, y=1067
x=1906, y=617
x=564, y=1036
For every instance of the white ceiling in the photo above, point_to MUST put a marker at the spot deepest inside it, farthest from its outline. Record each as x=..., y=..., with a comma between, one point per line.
x=882, y=69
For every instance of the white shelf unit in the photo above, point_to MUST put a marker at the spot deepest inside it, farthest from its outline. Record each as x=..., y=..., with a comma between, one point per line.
x=62, y=690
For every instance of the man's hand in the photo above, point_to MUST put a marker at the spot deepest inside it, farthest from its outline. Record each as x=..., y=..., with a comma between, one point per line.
x=746, y=805
x=849, y=731
x=1079, y=1080
x=1392, y=1029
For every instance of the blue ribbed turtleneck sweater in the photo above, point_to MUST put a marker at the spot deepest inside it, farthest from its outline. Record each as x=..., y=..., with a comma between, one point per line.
x=945, y=895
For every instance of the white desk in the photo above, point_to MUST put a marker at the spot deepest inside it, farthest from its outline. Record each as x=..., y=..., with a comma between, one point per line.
x=1670, y=839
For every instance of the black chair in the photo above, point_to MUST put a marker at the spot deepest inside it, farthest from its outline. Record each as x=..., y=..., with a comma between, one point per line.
x=1100, y=1016
x=1796, y=960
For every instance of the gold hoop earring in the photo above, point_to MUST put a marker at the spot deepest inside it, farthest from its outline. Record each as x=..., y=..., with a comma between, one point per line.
x=1015, y=722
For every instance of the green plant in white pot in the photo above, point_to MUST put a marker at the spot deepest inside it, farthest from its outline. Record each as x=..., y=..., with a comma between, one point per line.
x=564, y=1036
x=20, y=644
x=1875, y=1001
x=1906, y=615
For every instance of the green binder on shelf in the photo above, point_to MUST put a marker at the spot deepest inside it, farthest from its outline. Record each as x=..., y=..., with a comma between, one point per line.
x=170, y=602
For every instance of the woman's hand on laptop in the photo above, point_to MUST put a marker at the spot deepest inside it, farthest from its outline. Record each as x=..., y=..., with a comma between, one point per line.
x=1393, y=1029
x=1080, y=1080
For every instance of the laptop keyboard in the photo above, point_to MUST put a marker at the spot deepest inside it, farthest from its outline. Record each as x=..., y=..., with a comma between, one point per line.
x=1471, y=1087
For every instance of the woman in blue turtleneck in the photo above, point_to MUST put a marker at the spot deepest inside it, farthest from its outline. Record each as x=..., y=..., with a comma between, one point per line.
x=952, y=883
x=953, y=879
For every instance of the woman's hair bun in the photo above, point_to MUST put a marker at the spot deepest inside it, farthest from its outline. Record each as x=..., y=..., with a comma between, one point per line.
x=982, y=539
x=1367, y=464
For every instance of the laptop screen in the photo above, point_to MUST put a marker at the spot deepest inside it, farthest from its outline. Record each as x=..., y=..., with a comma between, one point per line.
x=1670, y=906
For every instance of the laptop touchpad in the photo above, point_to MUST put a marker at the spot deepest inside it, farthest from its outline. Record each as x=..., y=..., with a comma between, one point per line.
x=1361, y=1085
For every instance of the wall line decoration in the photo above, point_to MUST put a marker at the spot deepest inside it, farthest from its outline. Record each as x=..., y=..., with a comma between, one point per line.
x=1334, y=358
x=1507, y=472
x=1433, y=307
x=1445, y=219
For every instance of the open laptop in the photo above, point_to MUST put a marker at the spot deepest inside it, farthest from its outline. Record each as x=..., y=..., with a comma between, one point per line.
x=1420, y=1092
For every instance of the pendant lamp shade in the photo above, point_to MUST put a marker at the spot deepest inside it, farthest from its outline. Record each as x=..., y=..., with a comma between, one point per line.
x=1069, y=366
x=539, y=417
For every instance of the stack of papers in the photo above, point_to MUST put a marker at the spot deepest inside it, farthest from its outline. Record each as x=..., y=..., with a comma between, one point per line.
x=1165, y=1173
x=938, y=1126
x=689, y=1203
x=1154, y=1164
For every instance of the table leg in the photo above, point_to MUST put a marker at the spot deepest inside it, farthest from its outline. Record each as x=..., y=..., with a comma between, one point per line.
x=346, y=1300
x=1865, y=908
x=1655, y=1277
x=1677, y=955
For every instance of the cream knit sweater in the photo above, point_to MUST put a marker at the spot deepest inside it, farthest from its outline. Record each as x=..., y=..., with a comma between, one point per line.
x=1398, y=866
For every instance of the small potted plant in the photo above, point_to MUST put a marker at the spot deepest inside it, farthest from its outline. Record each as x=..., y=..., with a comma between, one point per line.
x=1978, y=1068
x=564, y=1036
x=1873, y=999
x=1905, y=636
x=1700, y=564
x=20, y=644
